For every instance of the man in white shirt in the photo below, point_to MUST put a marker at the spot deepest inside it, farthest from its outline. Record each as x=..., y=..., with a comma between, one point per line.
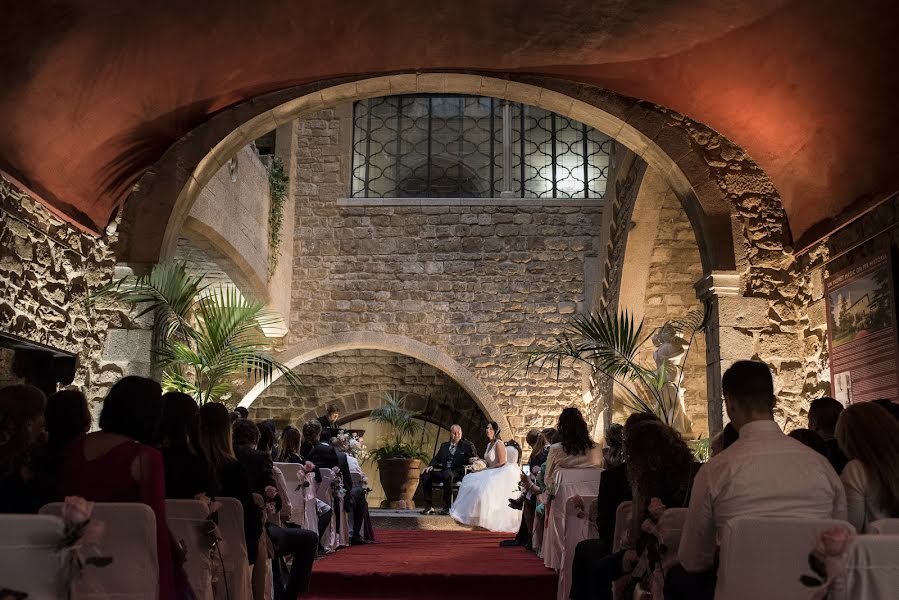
x=763, y=473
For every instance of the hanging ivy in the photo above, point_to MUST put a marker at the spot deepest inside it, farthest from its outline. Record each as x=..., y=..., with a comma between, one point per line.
x=277, y=184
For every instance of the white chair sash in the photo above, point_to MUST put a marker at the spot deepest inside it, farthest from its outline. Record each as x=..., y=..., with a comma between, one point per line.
x=292, y=480
x=884, y=527
x=764, y=557
x=236, y=580
x=577, y=529
x=622, y=522
x=187, y=521
x=671, y=525
x=130, y=540
x=568, y=483
x=324, y=493
x=29, y=561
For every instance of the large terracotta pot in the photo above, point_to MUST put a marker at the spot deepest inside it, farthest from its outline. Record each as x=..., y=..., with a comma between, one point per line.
x=399, y=478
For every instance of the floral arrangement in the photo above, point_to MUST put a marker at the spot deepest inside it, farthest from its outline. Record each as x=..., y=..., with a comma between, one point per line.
x=355, y=446
x=645, y=560
x=79, y=530
x=337, y=484
x=828, y=560
x=476, y=465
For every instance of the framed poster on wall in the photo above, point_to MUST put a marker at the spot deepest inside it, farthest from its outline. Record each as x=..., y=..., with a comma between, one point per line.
x=861, y=331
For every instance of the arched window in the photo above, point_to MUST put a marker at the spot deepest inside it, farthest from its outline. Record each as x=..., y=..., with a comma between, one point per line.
x=452, y=146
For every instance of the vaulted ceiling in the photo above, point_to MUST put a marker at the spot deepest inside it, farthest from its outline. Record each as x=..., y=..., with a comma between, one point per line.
x=92, y=92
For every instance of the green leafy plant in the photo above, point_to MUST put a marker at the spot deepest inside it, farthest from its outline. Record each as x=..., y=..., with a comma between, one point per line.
x=700, y=449
x=277, y=183
x=403, y=438
x=205, y=341
x=610, y=344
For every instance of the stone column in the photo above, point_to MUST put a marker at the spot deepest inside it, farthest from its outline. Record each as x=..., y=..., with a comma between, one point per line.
x=127, y=349
x=729, y=337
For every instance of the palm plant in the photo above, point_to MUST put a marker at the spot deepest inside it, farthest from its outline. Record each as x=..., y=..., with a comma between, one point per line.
x=403, y=428
x=205, y=341
x=610, y=344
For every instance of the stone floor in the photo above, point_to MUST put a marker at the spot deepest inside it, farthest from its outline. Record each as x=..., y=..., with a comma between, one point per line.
x=413, y=519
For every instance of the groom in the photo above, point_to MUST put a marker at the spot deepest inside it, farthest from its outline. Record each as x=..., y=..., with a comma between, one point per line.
x=446, y=468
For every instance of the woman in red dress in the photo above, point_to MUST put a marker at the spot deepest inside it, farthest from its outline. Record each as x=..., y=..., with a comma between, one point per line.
x=116, y=464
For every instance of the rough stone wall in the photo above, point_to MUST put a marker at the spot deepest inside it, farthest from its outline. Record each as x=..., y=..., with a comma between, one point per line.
x=481, y=283
x=357, y=380
x=47, y=270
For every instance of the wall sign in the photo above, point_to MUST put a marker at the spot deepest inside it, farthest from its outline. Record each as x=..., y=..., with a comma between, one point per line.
x=861, y=331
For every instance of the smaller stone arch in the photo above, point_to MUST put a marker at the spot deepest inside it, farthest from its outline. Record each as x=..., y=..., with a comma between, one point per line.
x=368, y=340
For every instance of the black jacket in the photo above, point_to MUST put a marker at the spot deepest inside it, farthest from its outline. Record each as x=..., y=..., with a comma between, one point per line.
x=538, y=459
x=325, y=456
x=328, y=432
x=259, y=467
x=465, y=451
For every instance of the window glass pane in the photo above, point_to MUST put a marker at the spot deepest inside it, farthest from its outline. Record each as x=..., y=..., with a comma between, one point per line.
x=452, y=147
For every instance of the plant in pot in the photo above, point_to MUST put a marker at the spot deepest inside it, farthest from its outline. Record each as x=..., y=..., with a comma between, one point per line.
x=401, y=452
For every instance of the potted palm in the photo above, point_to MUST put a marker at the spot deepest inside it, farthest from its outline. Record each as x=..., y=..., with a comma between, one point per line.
x=401, y=452
x=206, y=341
x=611, y=344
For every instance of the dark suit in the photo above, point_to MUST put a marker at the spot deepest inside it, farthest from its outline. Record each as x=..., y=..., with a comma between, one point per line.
x=259, y=467
x=523, y=537
x=449, y=467
x=328, y=431
x=354, y=501
x=835, y=455
x=325, y=456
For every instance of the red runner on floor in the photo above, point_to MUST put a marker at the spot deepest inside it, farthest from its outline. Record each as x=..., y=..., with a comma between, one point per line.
x=433, y=565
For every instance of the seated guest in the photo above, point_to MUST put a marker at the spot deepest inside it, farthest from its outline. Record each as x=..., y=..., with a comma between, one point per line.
x=185, y=468
x=245, y=436
x=575, y=449
x=723, y=440
x=268, y=440
x=242, y=412
x=614, y=489
x=823, y=414
x=812, y=440
x=288, y=540
x=115, y=464
x=764, y=473
x=446, y=468
x=226, y=476
x=21, y=432
x=889, y=405
x=322, y=456
x=290, y=446
x=355, y=501
x=328, y=421
x=870, y=439
x=660, y=465
x=66, y=419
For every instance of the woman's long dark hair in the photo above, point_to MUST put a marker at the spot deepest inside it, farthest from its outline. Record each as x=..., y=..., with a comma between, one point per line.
x=214, y=438
x=573, y=432
x=180, y=418
x=290, y=444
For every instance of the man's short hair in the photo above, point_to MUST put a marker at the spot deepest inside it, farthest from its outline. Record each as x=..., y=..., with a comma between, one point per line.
x=532, y=436
x=455, y=425
x=312, y=430
x=244, y=432
x=749, y=384
x=243, y=412
x=823, y=414
x=331, y=409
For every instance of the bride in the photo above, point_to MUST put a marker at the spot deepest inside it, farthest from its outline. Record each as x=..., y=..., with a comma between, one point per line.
x=483, y=499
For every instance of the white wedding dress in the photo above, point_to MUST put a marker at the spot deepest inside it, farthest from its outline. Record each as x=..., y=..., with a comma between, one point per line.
x=483, y=499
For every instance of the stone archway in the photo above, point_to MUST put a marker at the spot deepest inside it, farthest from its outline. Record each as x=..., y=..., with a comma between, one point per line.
x=366, y=340
x=162, y=200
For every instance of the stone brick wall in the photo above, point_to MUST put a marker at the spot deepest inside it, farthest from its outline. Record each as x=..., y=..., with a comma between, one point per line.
x=357, y=380
x=47, y=270
x=478, y=281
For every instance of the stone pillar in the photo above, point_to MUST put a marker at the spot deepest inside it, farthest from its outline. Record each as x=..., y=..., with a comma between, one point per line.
x=729, y=337
x=127, y=349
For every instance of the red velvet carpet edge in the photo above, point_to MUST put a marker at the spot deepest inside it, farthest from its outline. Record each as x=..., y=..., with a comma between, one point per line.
x=433, y=565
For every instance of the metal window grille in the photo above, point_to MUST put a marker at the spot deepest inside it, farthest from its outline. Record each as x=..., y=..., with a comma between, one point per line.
x=446, y=146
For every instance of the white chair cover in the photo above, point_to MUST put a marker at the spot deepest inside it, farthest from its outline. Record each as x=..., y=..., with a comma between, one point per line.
x=130, y=540
x=884, y=527
x=569, y=482
x=235, y=583
x=324, y=493
x=539, y=528
x=187, y=519
x=764, y=557
x=671, y=525
x=297, y=497
x=872, y=569
x=577, y=529
x=28, y=559
x=622, y=520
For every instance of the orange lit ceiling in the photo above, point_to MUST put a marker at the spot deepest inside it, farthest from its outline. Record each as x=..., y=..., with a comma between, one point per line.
x=92, y=92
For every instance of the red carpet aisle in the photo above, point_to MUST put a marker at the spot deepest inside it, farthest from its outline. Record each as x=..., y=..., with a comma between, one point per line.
x=433, y=565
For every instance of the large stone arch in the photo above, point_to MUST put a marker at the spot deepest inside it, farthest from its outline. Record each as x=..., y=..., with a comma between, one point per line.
x=366, y=340
x=162, y=200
